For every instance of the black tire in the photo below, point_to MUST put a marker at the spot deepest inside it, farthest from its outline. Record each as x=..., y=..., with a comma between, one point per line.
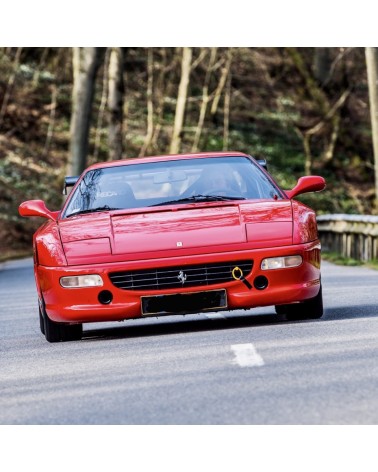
x=311, y=309
x=58, y=332
x=41, y=321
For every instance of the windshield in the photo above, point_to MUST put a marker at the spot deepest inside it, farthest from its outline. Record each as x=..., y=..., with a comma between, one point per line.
x=170, y=182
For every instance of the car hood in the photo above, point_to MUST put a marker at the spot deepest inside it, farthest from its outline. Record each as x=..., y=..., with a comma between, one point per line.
x=93, y=237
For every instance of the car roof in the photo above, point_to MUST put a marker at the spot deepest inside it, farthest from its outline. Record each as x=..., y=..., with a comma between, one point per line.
x=168, y=157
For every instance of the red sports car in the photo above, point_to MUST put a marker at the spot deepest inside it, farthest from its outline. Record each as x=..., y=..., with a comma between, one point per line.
x=174, y=235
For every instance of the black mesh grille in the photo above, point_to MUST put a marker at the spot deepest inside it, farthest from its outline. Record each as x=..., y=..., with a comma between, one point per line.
x=180, y=276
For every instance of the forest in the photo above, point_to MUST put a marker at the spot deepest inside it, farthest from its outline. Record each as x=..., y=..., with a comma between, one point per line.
x=304, y=110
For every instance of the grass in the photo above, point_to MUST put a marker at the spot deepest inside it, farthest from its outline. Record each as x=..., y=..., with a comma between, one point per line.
x=338, y=259
x=10, y=254
x=373, y=264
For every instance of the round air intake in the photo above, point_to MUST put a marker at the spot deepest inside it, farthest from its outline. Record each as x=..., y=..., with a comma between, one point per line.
x=260, y=282
x=105, y=297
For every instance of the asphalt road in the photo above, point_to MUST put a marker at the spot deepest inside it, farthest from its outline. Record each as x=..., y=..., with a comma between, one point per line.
x=232, y=368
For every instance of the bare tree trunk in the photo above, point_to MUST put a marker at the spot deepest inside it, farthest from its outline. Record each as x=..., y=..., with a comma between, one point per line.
x=115, y=104
x=205, y=99
x=322, y=65
x=308, y=157
x=41, y=64
x=85, y=65
x=372, y=73
x=333, y=118
x=222, y=83
x=226, y=120
x=181, y=100
x=150, y=103
x=101, y=111
x=316, y=93
x=11, y=80
x=329, y=114
x=160, y=91
x=50, y=130
x=163, y=89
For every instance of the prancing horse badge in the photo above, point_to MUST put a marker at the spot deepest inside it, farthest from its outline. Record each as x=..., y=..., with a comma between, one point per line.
x=182, y=277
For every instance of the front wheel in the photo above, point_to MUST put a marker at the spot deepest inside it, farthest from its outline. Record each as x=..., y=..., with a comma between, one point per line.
x=57, y=332
x=41, y=322
x=307, y=310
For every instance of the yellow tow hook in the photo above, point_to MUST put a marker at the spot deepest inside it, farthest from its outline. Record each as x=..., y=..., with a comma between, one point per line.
x=237, y=274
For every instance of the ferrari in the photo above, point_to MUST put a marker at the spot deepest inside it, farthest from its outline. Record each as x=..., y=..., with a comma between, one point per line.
x=176, y=234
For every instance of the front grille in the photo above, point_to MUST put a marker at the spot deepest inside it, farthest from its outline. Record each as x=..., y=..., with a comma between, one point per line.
x=179, y=276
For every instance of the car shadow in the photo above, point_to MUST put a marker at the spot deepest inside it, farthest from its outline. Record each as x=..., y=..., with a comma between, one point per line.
x=155, y=327
x=172, y=325
x=350, y=312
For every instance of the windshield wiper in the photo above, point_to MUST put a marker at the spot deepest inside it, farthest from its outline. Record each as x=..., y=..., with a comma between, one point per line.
x=224, y=198
x=92, y=210
x=200, y=198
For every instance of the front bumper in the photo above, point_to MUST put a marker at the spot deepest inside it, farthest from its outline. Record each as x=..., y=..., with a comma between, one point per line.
x=81, y=305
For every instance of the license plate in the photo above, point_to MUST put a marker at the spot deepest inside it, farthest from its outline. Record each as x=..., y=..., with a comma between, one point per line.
x=182, y=303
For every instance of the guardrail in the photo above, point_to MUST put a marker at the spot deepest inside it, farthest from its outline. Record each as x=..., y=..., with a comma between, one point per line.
x=354, y=236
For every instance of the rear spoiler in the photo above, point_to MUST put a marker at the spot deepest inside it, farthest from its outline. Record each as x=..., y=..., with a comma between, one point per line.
x=263, y=163
x=69, y=182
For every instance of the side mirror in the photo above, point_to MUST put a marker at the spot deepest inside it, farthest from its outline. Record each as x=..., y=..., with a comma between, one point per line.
x=311, y=183
x=37, y=208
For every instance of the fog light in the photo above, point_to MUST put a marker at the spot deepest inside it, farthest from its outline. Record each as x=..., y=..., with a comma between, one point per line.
x=260, y=282
x=105, y=297
x=281, y=262
x=80, y=281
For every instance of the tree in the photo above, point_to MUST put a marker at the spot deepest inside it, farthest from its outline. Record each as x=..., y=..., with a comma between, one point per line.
x=206, y=97
x=372, y=73
x=181, y=100
x=150, y=103
x=326, y=108
x=322, y=65
x=222, y=82
x=226, y=116
x=86, y=62
x=115, y=104
x=102, y=107
x=10, y=84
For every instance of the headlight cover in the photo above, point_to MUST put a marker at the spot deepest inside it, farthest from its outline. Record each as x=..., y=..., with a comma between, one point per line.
x=81, y=281
x=284, y=262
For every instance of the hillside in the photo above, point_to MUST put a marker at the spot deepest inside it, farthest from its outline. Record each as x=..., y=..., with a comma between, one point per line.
x=282, y=104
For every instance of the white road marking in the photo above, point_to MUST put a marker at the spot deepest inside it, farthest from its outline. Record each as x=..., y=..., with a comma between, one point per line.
x=215, y=316
x=246, y=355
